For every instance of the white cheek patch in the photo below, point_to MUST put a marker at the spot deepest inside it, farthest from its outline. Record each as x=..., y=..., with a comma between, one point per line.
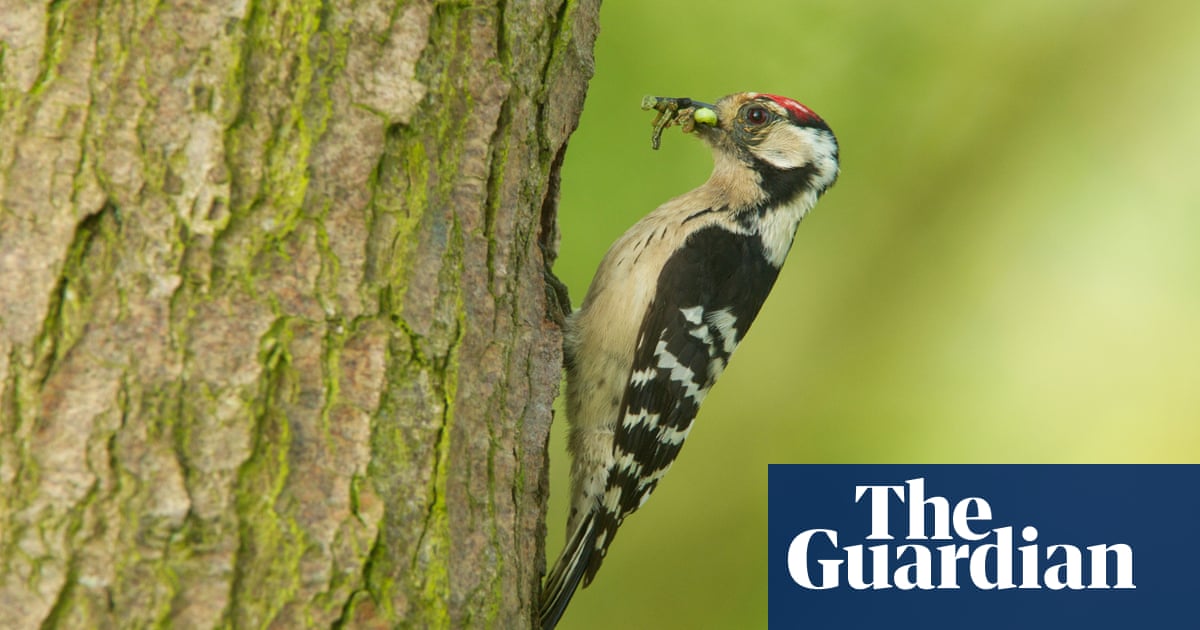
x=794, y=147
x=786, y=147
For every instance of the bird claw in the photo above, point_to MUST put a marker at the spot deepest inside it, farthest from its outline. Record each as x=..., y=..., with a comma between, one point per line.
x=558, y=299
x=671, y=111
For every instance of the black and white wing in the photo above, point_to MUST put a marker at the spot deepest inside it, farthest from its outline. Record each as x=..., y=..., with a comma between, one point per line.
x=709, y=293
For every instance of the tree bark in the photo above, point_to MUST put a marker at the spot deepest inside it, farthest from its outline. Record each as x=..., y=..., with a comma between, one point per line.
x=273, y=345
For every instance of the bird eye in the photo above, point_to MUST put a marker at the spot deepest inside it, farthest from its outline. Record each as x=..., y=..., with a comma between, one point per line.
x=757, y=115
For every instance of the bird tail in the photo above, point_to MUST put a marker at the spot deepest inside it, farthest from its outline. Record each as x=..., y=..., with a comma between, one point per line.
x=568, y=570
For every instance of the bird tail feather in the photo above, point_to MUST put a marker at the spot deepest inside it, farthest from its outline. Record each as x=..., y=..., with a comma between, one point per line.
x=568, y=570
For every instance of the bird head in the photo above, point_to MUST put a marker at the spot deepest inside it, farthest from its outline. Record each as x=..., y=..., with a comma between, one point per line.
x=787, y=145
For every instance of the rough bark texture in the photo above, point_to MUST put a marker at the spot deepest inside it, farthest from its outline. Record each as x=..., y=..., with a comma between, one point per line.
x=272, y=338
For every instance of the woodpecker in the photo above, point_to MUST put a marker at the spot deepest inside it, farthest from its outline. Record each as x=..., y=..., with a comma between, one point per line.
x=669, y=303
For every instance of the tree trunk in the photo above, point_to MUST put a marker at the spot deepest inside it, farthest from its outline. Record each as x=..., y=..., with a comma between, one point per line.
x=273, y=347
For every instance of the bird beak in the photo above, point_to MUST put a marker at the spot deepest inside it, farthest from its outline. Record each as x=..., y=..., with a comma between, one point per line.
x=678, y=111
x=701, y=112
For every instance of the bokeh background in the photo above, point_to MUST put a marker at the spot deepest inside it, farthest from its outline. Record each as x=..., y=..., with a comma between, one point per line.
x=1007, y=271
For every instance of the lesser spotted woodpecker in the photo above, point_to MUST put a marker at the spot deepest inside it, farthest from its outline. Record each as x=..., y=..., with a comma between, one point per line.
x=670, y=302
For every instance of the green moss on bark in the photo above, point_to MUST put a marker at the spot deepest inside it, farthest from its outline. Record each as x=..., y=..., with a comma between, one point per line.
x=271, y=542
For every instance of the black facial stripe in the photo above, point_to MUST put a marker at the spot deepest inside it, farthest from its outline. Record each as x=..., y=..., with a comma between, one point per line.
x=782, y=185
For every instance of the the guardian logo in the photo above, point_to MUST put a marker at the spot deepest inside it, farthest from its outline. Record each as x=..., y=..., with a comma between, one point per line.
x=982, y=546
x=949, y=546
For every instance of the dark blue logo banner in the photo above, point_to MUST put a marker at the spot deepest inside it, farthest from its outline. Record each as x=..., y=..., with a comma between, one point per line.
x=984, y=546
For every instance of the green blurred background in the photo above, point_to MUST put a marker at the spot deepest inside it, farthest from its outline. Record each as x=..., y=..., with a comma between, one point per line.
x=1007, y=271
